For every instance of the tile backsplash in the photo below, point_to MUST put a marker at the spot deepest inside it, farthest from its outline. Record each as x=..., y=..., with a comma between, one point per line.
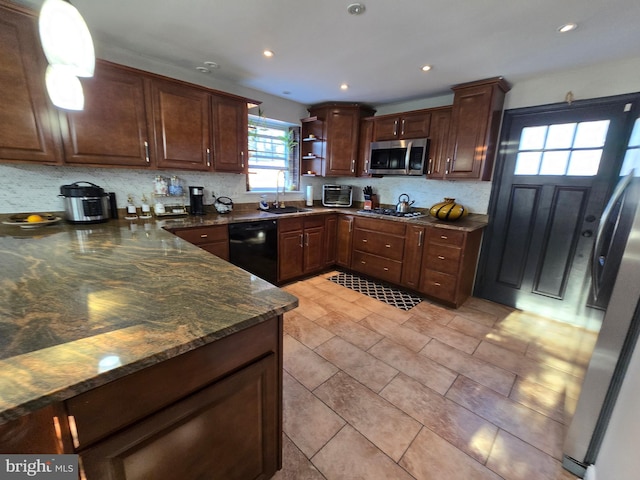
x=30, y=188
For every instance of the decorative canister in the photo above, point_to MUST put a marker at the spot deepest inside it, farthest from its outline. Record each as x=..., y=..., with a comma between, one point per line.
x=448, y=210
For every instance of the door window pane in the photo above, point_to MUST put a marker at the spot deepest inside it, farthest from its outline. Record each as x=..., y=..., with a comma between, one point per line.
x=591, y=134
x=560, y=136
x=632, y=157
x=585, y=162
x=554, y=163
x=635, y=134
x=532, y=138
x=527, y=163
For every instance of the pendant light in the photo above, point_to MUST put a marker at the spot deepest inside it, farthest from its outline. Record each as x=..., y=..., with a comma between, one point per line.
x=68, y=46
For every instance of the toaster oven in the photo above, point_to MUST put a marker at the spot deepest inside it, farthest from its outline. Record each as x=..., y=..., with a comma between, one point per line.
x=337, y=195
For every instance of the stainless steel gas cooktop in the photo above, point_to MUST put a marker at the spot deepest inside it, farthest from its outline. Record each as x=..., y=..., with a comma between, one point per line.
x=391, y=213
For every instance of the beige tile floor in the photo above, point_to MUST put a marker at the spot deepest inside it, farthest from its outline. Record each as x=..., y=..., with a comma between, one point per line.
x=375, y=392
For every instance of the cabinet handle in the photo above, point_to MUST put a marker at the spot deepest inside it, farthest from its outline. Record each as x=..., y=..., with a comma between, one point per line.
x=353, y=166
x=437, y=284
x=242, y=159
x=208, y=157
x=301, y=244
x=364, y=240
x=388, y=245
x=444, y=237
x=146, y=152
x=386, y=269
x=350, y=226
x=73, y=430
x=363, y=262
x=306, y=239
x=395, y=128
x=402, y=130
x=420, y=233
x=366, y=166
x=204, y=235
x=446, y=171
x=440, y=257
x=429, y=167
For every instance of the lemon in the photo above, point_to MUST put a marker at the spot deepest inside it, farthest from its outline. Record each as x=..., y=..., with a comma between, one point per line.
x=34, y=218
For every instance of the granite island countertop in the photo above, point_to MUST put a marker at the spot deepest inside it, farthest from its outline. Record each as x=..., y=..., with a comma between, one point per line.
x=82, y=305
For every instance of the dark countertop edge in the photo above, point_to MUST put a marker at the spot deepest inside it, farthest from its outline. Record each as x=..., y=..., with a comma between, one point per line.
x=17, y=411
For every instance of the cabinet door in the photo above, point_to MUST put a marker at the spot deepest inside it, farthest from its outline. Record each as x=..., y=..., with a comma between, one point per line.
x=330, y=239
x=439, y=135
x=342, y=142
x=28, y=120
x=182, y=126
x=364, y=147
x=205, y=435
x=475, y=120
x=387, y=128
x=344, y=240
x=290, y=255
x=313, y=249
x=112, y=129
x=413, y=246
x=230, y=134
x=415, y=125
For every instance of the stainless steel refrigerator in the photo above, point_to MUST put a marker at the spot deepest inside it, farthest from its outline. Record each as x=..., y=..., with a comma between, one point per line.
x=616, y=288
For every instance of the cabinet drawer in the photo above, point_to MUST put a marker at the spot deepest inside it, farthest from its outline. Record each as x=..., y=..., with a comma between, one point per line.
x=439, y=285
x=200, y=235
x=378, y=267
x=388, y=246
x=380, y=226
x=446, y=236
x=290, y=224
x=443, y=258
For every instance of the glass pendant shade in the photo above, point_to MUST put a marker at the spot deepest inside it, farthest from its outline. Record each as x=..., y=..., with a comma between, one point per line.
x=64, y=88
x=65, y=38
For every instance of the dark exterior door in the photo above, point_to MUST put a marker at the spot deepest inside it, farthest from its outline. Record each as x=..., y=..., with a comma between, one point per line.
x=556, y=169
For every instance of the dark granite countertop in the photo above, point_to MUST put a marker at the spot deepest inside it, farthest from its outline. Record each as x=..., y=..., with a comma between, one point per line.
x=81, y=305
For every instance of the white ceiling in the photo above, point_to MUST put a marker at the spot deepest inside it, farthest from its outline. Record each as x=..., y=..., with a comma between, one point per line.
x=318, y=45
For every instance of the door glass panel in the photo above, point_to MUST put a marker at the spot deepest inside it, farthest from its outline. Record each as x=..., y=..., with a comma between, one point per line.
x=632, y=157
x=532, y=138
x=591, y=134
x=560, y=136
x=584, y=162
x=554, y=163
x=527, y=163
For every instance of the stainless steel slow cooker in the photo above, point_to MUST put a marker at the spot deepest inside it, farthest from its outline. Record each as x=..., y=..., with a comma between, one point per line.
x=85, y=203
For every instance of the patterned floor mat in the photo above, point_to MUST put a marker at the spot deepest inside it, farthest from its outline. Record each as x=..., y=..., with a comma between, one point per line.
x=391, y=296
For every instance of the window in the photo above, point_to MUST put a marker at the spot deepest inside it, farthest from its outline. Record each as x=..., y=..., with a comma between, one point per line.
x=570, y=149
x=273, y=148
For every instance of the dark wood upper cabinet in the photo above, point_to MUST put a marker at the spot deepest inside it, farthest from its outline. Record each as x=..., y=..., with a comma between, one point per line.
x=475, y=122
x=338, y=142
x=406, y=125
x=182, y=121
x=29, y=130
x=230, y=134
x=364, y=147
x=114, y=128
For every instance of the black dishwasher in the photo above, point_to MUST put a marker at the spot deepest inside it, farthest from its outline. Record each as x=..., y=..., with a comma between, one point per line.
x=253, y=246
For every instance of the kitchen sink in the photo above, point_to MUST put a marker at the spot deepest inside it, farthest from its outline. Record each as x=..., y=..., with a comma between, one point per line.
x=288, y=210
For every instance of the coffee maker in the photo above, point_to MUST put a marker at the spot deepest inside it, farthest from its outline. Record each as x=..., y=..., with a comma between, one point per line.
x=196, y=200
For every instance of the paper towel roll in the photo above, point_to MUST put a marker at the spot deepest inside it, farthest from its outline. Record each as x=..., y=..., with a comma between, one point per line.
x=309, y=195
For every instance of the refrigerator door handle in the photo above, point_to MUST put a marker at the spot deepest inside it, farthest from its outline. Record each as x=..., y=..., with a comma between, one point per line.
x=598, y=260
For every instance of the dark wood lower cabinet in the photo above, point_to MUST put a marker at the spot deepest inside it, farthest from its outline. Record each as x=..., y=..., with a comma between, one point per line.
x=226, y=431
x=213, y=238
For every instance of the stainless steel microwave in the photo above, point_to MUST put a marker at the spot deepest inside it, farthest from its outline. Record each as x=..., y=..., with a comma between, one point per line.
x=399, y=157
x=337, y=195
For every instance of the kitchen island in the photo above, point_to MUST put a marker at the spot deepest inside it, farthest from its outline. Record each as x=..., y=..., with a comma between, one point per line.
x=139, y=351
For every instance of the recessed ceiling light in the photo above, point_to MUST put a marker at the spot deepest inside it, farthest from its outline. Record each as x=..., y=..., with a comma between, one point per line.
x=212, y=65
x=356, y=9
x=268, y=53
x=426, y=68
x=202, y=69
x=344, y=86
x=567, y=27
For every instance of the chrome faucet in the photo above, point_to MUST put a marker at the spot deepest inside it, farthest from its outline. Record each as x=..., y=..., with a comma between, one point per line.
x=279, y=203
